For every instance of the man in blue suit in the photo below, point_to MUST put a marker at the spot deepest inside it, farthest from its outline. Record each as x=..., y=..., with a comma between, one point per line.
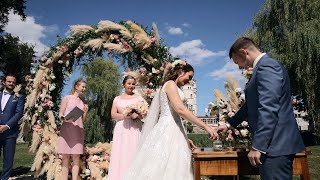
x=275, y=133
x=11, y=111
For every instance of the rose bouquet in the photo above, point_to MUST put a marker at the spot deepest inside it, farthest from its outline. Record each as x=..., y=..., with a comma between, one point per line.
x=140, y=108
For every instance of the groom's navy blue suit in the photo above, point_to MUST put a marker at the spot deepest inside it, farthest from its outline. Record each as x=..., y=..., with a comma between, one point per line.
x=10, y=115
x=270, y=115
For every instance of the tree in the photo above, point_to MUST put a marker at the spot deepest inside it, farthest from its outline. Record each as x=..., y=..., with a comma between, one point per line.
x=15, y=56
x=103, y=84
x=17, y=6
x=290, y=31
x=94, y=132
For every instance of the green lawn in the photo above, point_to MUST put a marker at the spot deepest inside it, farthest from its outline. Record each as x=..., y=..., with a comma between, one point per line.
x=24, y=160
x=314, y=162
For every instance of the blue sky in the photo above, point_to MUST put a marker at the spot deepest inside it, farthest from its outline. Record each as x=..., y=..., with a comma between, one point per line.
x=201, y=32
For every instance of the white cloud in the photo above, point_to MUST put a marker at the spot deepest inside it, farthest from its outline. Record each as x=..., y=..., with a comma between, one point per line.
x=194, y=51
x=29, y=31
x=174, y=30
x=186, y=25
x=52, y=29
x=228, y=69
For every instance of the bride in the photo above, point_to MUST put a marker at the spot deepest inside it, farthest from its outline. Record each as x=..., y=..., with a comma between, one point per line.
x=164, y=152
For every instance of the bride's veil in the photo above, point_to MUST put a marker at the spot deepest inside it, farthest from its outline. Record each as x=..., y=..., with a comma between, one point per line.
x=151, y=118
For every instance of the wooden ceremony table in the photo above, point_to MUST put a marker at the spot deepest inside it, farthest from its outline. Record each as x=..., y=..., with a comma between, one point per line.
x=234, y=163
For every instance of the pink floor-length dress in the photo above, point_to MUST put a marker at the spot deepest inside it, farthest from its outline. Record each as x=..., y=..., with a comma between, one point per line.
x=126, y=135
x=71, y=137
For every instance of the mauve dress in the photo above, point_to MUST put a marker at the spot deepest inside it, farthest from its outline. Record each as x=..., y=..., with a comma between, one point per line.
x=126, y=135
x=71, y=137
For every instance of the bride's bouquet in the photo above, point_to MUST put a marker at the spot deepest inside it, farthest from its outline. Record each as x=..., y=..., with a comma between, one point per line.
x=141, y=108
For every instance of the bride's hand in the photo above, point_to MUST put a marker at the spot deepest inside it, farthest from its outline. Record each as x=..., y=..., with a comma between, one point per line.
x=192, y=145
x=212, y=132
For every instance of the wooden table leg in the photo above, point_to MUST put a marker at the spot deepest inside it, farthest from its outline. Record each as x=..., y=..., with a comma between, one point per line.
x=305, y=169
x=196, y=169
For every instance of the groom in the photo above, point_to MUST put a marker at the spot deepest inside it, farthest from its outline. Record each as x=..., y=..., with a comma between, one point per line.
x=275, y=134
x=11, y=111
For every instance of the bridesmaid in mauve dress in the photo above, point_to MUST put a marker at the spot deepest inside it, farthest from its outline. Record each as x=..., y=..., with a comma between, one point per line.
x=71, y=137
x=126, y=132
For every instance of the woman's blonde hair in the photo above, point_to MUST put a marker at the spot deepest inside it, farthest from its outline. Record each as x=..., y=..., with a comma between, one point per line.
x=77, y=83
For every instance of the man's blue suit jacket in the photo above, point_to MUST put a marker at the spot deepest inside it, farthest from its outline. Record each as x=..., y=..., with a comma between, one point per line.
x=269, y=111
x=11, y=114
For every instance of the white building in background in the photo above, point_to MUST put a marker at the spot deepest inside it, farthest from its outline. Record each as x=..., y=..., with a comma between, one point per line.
x=211, y=121
x=303, y=124
x=190, y=93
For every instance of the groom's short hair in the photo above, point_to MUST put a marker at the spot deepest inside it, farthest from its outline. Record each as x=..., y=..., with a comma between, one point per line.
x=242, y=42
x=6, y=75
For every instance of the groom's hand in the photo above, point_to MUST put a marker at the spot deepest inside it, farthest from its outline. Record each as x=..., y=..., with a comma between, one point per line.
x=3, y=128
x=254, y=158
x=222, y=127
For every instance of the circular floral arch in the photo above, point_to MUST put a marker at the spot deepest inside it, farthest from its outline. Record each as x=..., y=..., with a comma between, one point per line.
x=127, y=41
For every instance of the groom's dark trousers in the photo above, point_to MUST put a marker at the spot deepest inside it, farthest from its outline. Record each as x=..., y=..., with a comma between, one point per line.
x=279, y=167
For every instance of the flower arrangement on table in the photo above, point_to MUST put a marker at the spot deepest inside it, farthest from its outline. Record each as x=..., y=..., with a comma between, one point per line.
x=141, y=108
x=224, y=109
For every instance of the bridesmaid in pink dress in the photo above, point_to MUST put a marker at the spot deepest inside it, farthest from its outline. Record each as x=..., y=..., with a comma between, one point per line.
x=126, y=132
x=71, y=139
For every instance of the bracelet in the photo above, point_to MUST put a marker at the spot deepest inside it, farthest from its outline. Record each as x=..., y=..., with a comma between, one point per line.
x=227, y=124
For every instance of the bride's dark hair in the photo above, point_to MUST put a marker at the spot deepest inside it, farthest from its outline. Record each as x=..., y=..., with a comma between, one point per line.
x=173, y=72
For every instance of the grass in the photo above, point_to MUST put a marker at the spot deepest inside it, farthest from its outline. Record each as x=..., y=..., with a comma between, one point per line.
x=24, y=159
x=314, y=162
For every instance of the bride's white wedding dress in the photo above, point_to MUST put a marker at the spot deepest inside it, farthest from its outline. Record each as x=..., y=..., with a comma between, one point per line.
x=164, y=154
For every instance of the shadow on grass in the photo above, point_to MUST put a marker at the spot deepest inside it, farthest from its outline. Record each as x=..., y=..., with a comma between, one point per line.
x=310, y=138
x=21, y=173
x=21, y=170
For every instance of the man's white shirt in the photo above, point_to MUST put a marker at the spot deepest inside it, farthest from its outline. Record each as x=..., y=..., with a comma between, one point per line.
x=4, y=100
x=5, y=97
